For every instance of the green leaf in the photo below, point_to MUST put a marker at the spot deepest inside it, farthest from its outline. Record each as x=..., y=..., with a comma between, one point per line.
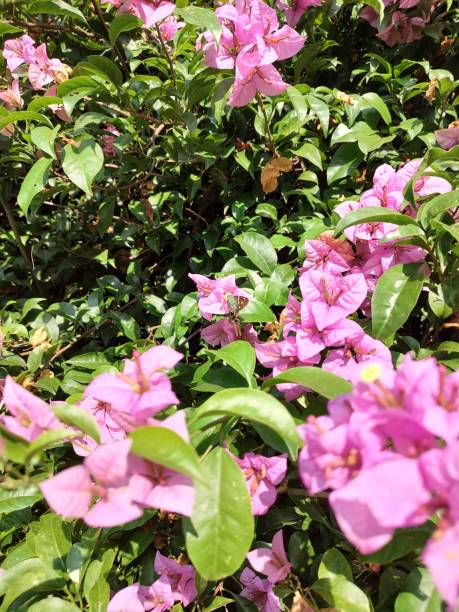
x=43, y=138
x=344, y=160
x=418, y=593
x=299, y=104
x=333, y=565
x=219, y=534
x=252, y=405
x=320, y=108
x=56, y=7
x=324, y=383
x=217, y=603
x=6, y=28
x=259, y=250
x=23, y=116
x=95, y=587
x=33, y=183
x=394, y=297
x=50, y=540
x=43, y=102
x=25, y=576
x=107, y=68
x=405, y=541
x=79, y=556
x=49, y=439
x=164, y=446
x=53, y=604
x=127, y=325
x=81, y=162
x=123, y=23
x=70, y=414
x=17, y=499
x=202, y=17
x=375, y=101
x=256, y=312
x=239, y=355
x=342, y=594
x=372, y=214
x=437, y=205
x=311, y=153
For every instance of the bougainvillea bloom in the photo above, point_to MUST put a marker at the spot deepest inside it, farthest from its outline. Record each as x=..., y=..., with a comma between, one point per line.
x=263, y=474
x=272, y=562
x=295, y=9
x=181, y=578
x=214, y=295
x=441, y=556
x=28, y=415
x=142, y=389
x=332, y=298
x=449, y=137
x=122, y=483
x=44, y=70
x=259, y=591
x=11, y=96
x=157, y=597
x=150, y=12
x=18, y=51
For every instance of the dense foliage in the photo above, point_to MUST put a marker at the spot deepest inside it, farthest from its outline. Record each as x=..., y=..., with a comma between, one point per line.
x=229, y=305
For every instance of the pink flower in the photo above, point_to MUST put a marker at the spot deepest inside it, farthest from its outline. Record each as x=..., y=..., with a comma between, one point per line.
x=425, y=185
x=272, y=562
x=263, y=474
x=12, y=96
x=402, y=29
x=328, y=254
x=152, y=12
x=357, y=349
x=109, y=429
x=259, y=591
x=58, y=109
x=18, y=51
x=28, y=416
x=441, y=556
x=142, y=389
x=169, y=28
x=448, y=138
x=157, y=597
x=215, y=296
x=365, y=508
x=363, y=231
x=181, y=578
x=296, y=9
x=109, y=138
x=251, y=78
x=220, y=333
x=44, y=70
x=123, y=484
x=332, y=298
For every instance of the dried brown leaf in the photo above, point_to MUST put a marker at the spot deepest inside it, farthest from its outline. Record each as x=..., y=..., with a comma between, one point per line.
x=273, y=169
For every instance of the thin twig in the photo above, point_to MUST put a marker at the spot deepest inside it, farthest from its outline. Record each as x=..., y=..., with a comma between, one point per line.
x=268, y=135
x=116, y=47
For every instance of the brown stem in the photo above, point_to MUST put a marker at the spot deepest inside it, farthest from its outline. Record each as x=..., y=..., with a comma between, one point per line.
x=116, y=46
x=17, y=236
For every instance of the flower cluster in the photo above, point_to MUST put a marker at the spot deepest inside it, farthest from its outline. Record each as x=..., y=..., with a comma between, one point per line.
x=295, y=9
x=272, y=563
x=389, y=452
x=23, y=58
x=400, y=27
x=262, y=475
x=153, y=13
x=221, y=296
x=251, y=40
x=176, y=583
x=122, y=484
x=335, y=280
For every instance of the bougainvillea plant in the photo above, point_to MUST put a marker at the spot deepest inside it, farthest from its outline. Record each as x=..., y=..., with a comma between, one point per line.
x=229, y=306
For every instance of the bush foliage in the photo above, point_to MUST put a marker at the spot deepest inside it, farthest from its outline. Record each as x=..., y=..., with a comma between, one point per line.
x=229, y=307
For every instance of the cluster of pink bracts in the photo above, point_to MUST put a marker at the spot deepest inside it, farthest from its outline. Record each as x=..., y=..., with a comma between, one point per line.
x=112, y=486
x=251, y=41
x=335, y=281
x=389, y=451
x=402, y=27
